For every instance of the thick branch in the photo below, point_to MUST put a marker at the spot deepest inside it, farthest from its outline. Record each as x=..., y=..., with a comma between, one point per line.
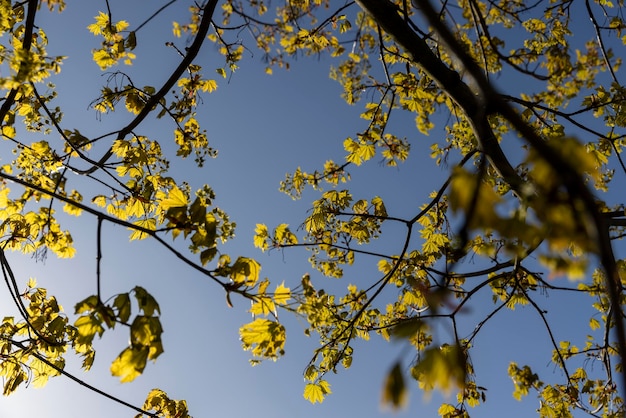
x=472, y=104
x=570, y=178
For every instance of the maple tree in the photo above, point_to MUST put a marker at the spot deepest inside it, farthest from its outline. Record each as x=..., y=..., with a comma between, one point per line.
x=546, y=197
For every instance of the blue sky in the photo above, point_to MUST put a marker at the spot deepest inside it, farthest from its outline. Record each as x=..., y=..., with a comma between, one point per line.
x=263, y=126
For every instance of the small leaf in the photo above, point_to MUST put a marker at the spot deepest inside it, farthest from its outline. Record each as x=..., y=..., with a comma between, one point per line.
x=131, y=41
x=149, y=224
x=32, y=283
x=122, y=303
x=447, y=411
x=208, y=255
x=315, y=392
x=282, y=294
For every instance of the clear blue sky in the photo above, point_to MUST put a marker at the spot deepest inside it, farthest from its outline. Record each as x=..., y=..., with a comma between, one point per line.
x=263, y=127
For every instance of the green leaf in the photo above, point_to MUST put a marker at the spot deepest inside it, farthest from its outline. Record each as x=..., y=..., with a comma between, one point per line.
x=122, y=303
x=88, y=326
x=145, y=330
x=407, y=328
x=130, y=363
x=208, y=255
x=442, y=368
x=394, y=389
x=131, y=41
x=86, y=305
x=146, y=302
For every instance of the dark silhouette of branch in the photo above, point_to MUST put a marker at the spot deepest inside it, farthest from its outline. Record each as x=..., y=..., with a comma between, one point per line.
x=155, y=14
x=99, y=259
x=478, y=105
x=26, y=44
x=596, y=28
x=79, y=381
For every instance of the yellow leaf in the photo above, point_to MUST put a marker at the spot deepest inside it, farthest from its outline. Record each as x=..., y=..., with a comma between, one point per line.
x=99, y=201
x=136, y=208
x=103, y=59
x=209, y=86
x=263, y=306
x=446, y=410
x=175, y=199
x=264, y=338
x=121, y=25
x=8, y=131
x=130, y=363
x=102, y=21
x=282, y=294
x=260, y=237
x=355, y=57
x=315, y=392
x=144, y=223
x=245, y=271
x=41, y=372
x=441, y=368
x=71, y=209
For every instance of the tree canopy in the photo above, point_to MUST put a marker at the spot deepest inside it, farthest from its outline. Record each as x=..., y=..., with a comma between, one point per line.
x=523, y=104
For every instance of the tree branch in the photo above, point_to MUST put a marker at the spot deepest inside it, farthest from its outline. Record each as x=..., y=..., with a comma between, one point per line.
x=473, y=105
x=192, y=52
